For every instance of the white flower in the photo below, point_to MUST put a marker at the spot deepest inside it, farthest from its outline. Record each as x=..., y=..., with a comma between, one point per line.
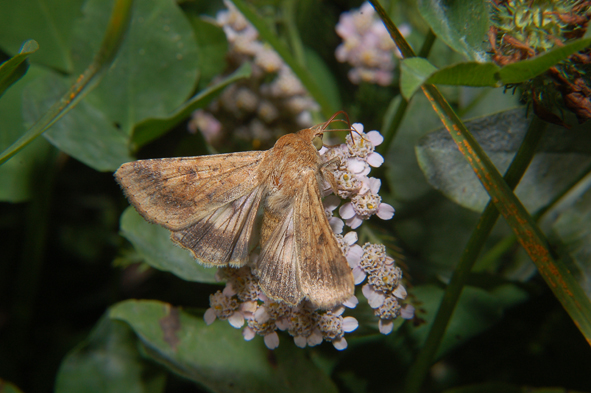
x=407, y=311
x=386, y=326
x=248, y=333
x=272, y=340
x=350, y=324
x=352, y=302
x=363, y=206
x=340, y=343
x=374, y=299
x=330, y=203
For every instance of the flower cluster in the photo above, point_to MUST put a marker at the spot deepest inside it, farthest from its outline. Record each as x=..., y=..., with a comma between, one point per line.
x=266, y=106
x=522, y=29
x=243, y=304
x=356, y=157
x=367, y=46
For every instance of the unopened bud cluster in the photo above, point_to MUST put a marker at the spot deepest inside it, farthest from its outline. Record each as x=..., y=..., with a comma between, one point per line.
x=367, y=46
x=271, y=103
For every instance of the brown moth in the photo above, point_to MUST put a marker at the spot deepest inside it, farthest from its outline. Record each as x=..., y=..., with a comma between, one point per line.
x=210, y=203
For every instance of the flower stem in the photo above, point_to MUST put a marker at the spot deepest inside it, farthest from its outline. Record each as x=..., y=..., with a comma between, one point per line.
x=518, y=166
x=392, y=130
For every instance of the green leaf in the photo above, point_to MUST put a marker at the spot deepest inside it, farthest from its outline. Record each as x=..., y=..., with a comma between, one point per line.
x=108, y=361
x=417, y=71
x=7, y=387
x=13, y=69
x=467, y=74
x=17, y=176
x=530, y=68
x=153, y=243
x=85, y=82
x=156, y=67
x=403, y=172
x=323, y=76
x=462, y=25
x=477, y=310
x=574, y=232
x=151, y=129
x=561, y=158
x=84, y=132
x=49, y=22
x=212, y=47
x=217, y=356
x=413, y=73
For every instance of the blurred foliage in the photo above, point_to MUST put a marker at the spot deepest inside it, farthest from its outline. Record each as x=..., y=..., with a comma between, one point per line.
x=75, y=254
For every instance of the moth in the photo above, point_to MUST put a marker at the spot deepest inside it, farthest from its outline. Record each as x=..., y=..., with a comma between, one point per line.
x=210, y=203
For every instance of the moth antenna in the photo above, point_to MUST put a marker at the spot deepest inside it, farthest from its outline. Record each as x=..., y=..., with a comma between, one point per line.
x=333, y=119
x=350, y=128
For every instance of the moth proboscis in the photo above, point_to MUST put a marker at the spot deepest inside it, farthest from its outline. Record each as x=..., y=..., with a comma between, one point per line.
x=210, y=203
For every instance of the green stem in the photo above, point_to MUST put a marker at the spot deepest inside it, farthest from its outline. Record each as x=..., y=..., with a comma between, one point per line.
x=390, y=132
x=518, y=166
x=556, y=274
x=289, y=11
x=505, y=244
x=29, y=273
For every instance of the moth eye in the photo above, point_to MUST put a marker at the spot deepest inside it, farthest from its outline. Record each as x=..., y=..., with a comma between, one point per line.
x=317, y=142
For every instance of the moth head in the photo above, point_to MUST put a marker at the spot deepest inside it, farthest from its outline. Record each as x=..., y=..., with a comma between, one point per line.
x=315, y=133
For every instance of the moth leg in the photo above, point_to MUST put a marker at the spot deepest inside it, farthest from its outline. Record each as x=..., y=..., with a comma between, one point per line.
x=329, y=176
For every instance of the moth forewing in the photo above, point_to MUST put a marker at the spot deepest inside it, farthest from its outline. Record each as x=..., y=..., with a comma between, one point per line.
x=210, y=203
x=324, y=273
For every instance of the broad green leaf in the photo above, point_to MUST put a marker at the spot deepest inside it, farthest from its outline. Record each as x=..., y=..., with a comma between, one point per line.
x=574, y=232
x=151, y=128
x=403, y=173
x=84, y=83
x=13, y=69
x=49, y=22
x=156, y=68
x=17, y=182
x=108, y=361
x=153, y=243
x=8, y=387
x=482, y=101
x=217, y=356
x=417, y=71
x=530, y=68
x=84, y=132
x=413, y=73
x=477, y=310
x=466, y=74
x=562, y=157
x=462, y=25
x=212, y=47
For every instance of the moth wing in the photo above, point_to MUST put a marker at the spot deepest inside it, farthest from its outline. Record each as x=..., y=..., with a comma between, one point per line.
x=209, y=203
x=177, y=192
x=223, y=237
x=276, y=267
x=323, y=273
